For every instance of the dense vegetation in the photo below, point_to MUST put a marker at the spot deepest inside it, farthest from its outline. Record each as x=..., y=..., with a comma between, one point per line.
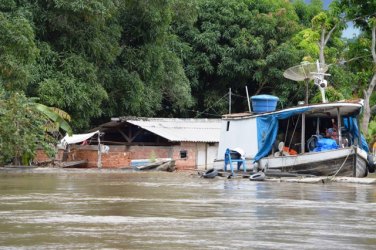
x=97, y=59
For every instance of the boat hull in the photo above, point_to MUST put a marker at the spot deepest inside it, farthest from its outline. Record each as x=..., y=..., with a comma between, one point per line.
x=350, y=162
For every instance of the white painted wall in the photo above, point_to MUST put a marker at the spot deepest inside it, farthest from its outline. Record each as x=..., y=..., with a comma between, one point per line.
x=242, y=133
x=209, y=151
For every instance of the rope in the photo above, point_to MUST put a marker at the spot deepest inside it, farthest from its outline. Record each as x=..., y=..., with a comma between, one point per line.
x=211, y=106
x=341, y=165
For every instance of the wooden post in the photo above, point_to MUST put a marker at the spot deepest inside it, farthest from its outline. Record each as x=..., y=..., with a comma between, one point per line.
x=249, y=102
x=99, y=151
x=229, y=101
x=206, y=156
x=339, y=125
x=307, y=91
x=302, y=149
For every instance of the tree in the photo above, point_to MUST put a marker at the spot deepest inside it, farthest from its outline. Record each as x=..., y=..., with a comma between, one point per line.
x=321, y=41
x=57, y=118
x=74, y=87
x=26, y=125
x=234, y=44
x=148, y=77
x=322, y=38
x=18, y=50
x=325, y=25
x=363, y=14
x=76, y=40
x=306, y=11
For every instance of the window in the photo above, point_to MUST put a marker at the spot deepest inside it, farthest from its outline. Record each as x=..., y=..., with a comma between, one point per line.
x=183, y=154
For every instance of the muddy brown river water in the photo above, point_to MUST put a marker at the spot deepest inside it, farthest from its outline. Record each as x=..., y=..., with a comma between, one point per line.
x=92, y=209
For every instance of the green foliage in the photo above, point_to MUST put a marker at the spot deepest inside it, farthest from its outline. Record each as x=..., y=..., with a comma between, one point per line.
x=73, y=87
x=331, y=94
x=22, y=129
x=359, y=11
x=102, y=58
x=88, y=28
x=148, y=77
x=371, y=131
x=17, y=50
x=58, y=119
x=321, y=20
x=343, y=81
x=76, y=40
x=361, y=65
x=306, y=40
x=306, y=12
x=309, y=38
x=238, y=43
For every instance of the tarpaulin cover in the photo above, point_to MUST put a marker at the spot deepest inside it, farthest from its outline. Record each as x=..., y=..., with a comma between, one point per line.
x=352, y=125
x=267, y=129
x=76, y=138
x=324, y=144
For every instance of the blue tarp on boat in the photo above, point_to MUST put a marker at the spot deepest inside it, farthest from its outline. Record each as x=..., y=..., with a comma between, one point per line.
x=351, y=124
x=267, y=129
x=324, y=144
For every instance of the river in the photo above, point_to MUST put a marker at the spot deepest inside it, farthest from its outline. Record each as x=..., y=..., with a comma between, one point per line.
x=93, y=209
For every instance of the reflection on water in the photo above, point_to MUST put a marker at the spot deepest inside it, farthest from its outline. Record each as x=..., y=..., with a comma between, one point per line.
x=70, y=209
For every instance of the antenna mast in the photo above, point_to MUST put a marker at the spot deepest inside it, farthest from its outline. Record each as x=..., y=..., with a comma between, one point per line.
x=229, y=101
x=320, y=81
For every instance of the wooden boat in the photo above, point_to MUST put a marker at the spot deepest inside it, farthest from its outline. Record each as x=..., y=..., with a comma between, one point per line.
x=289, y=140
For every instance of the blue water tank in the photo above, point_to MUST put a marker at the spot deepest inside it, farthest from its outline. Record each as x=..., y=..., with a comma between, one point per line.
x=264, y=103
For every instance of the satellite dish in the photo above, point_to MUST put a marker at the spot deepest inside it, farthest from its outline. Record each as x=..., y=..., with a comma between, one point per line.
x=305, y=71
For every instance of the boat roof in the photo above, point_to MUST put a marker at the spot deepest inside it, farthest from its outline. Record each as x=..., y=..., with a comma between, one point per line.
x=346, y=108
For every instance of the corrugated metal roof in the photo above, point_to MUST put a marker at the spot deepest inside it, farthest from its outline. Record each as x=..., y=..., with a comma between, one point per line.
x=181, y=129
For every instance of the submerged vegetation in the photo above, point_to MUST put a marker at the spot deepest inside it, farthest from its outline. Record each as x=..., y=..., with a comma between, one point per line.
x=98, y=59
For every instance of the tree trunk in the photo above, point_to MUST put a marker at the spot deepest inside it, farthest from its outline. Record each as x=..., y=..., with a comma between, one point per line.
x=367, y=109
x=322, y=46
x=371, y=86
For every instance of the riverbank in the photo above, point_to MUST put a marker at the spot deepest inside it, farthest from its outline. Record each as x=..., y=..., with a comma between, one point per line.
x=370, y=179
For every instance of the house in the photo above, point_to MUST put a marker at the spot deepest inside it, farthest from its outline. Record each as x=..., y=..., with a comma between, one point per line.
x=192, y=143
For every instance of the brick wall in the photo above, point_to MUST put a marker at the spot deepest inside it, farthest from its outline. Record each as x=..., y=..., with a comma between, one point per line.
x=121, y=156
x=190, y=161
x=41, y=156
x=117, y=157
x=149, y=152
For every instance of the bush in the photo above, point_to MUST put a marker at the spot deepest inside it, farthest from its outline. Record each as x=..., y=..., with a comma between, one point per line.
x=22, y=129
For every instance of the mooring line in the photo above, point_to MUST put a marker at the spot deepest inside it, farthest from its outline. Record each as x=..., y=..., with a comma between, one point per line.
x=342, y=164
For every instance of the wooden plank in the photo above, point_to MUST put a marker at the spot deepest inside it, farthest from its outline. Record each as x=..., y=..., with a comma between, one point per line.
x=72, y=164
